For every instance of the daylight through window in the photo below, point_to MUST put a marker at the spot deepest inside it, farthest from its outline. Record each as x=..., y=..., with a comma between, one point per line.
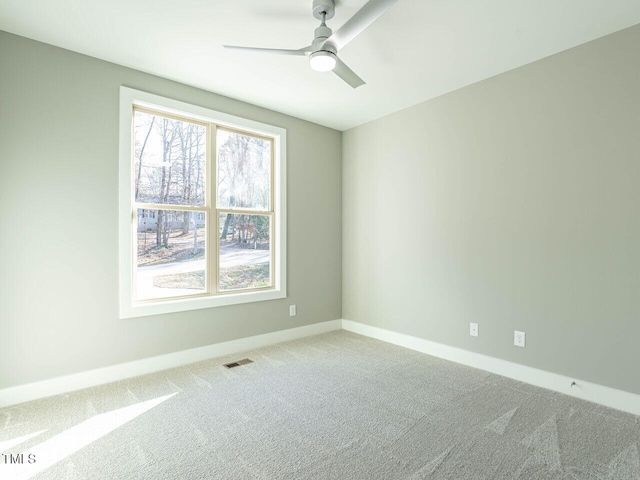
x=203, y=197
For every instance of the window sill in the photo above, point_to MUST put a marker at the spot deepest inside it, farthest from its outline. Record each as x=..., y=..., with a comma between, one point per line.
x=143, y=309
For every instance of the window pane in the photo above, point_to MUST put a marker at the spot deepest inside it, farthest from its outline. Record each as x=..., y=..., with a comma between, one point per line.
x=244, y=171
x=245, y=251
x=170, y=160
x=171, y=254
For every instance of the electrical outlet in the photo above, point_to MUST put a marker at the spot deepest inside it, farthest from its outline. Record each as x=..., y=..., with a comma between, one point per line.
x=292, y=310
x=473, y=329
x=518, y=338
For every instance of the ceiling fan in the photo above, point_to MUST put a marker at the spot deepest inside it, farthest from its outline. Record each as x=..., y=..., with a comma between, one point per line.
x=323, y=51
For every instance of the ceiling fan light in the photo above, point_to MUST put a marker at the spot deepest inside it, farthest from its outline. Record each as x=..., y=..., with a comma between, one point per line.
x=322, y=61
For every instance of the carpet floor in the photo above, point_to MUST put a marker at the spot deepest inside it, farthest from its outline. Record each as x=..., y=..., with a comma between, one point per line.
x=332, y=406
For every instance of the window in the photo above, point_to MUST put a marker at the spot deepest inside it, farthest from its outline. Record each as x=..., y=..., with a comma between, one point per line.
x=201, y=205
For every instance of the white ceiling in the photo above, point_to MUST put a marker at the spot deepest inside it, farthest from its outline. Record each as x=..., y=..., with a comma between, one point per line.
x=418, y=50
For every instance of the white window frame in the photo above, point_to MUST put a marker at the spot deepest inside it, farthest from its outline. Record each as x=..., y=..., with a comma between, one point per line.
x=129, y=307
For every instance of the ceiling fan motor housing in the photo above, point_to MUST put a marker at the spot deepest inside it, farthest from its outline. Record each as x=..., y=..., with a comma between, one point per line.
x=323, y=55
x=319, y=42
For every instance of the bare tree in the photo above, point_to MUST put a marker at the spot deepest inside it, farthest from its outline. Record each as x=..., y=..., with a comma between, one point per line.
x=141, y=154
x=190, y=138
x=232, y=158
x=168, y=133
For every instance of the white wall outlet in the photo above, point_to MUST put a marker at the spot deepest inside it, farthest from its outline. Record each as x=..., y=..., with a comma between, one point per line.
x=292, y=310
x=518, y=338
x=473, y=329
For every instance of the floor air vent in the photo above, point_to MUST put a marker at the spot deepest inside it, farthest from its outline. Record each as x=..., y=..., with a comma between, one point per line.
x=244, y=361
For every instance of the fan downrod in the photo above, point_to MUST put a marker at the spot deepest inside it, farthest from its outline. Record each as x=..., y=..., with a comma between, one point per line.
x=328, y=7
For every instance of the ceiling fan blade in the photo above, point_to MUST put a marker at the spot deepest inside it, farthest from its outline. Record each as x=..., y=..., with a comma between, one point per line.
x=346, y=74
x=364, y=17
x=302, y=52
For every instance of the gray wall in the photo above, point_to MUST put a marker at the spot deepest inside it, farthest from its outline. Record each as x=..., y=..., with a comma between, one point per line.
x=514, y=203
x=59, y=255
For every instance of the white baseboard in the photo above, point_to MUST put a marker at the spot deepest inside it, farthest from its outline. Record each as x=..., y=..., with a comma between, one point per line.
x=77, y=381
x=592, y=392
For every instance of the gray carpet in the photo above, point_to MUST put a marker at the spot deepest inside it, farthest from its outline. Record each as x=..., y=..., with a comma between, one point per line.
x=333, y=406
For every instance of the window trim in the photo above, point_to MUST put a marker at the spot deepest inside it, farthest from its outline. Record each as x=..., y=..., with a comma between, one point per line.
x=129, y=307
